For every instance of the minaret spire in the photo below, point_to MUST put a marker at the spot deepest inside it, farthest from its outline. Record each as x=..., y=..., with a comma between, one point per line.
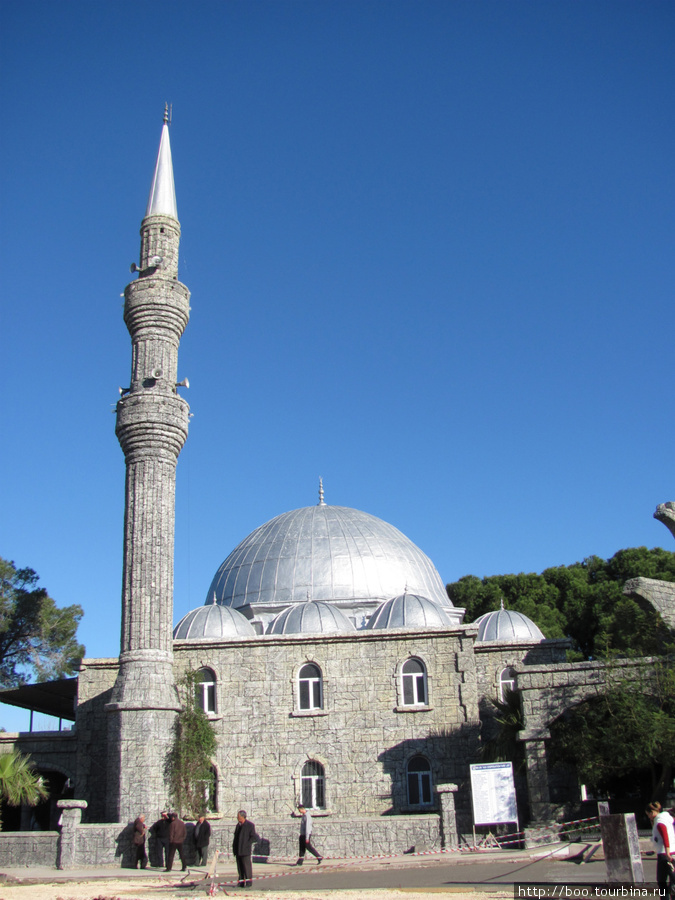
x=162, y=199
x=152, y=424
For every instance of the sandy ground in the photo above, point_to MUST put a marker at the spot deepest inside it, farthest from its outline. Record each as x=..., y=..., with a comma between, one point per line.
x=158, y=889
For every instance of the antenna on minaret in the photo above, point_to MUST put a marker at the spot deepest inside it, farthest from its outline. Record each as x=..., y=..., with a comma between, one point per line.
x=321, y=502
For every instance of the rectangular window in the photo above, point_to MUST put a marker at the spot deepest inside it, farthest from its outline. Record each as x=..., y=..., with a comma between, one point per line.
x=426, y=788
x=408, y=690
x=413, y=789
x=320, y=799
x=304, y=694
x=316, y=685
x=421, y=698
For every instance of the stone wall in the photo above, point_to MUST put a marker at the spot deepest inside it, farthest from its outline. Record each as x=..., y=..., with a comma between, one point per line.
x=54, y=751
x=363, y=736
x=111, y=844
x=94, y=688
x=659, y=594
x=546, y=692
x=492, y=657
x=28, y=848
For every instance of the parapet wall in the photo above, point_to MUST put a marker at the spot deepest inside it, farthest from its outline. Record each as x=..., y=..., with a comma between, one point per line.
x=110, y=844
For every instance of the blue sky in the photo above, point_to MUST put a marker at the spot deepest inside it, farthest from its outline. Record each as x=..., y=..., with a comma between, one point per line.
x=430, y=250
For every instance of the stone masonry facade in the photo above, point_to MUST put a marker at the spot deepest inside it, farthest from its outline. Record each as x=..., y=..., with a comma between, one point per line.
x=363, y=737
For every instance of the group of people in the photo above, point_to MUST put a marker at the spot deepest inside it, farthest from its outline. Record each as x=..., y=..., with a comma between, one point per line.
x=171, y=833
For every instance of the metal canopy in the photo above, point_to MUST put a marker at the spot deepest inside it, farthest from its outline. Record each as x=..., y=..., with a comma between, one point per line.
x=54, y=698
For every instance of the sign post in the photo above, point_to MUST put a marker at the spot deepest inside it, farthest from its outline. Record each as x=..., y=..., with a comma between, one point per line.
x=493, y=795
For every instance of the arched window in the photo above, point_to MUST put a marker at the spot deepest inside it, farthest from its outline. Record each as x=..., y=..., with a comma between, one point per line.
x=419, y=782
x=313, y=785
x=310, y=691
x=507, y=682
x=414, y=683
x=210, y=788
x=206, y=691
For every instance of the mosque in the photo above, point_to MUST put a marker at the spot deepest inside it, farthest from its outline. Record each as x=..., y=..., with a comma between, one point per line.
x=332, y=664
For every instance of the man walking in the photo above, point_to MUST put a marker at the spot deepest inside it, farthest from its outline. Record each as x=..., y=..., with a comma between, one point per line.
x=306, y=837
x=242, y=846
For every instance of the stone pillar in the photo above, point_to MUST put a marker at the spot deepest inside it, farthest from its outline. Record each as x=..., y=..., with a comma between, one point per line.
x=541, y=807
x=621, y=848
x=449, y=835
x=66, y=853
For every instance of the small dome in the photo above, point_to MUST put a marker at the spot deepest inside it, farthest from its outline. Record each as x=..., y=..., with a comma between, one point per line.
x=409, y=611
x=213, y=622
x=311, y=617
x=508, y=627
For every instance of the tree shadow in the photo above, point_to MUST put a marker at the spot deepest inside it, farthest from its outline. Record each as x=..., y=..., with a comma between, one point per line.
x=449, y=752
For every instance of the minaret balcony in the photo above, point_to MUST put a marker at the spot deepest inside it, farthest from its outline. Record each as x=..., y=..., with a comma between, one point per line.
x=152, y=424
x=156, y=307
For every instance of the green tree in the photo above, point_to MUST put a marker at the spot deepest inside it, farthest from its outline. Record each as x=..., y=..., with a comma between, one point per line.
x=19, y=782
x=37, y=638
x=189, y=765
x=628, y=728
x=583, y=601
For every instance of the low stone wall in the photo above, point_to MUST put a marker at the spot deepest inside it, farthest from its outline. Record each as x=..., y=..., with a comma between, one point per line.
x=348, y=837
x=111, y=844
x=28, y=848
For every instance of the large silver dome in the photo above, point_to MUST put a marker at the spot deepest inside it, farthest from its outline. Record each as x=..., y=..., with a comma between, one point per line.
x=325, y=553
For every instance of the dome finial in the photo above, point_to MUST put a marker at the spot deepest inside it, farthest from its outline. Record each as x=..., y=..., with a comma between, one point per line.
x=501, y=603
x=321, y=501
x=166, y=113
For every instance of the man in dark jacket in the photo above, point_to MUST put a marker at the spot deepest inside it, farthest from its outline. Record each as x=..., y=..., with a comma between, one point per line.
x=177, y=835
x=201, y=836
x=140, y=855
x=160, y=830
x=244, y=838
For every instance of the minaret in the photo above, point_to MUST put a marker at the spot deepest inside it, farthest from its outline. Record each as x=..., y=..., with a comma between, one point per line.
x=152, y=425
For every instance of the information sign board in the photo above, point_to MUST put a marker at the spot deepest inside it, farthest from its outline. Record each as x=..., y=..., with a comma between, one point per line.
x=493, y=793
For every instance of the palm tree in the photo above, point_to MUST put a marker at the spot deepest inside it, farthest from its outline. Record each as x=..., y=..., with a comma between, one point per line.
x=504, y=744
x=19, y=782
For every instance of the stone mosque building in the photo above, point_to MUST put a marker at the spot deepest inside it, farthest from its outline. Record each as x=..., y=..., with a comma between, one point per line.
x=333, y=666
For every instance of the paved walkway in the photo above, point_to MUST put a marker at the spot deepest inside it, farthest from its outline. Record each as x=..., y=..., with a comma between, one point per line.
x=481, y=870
